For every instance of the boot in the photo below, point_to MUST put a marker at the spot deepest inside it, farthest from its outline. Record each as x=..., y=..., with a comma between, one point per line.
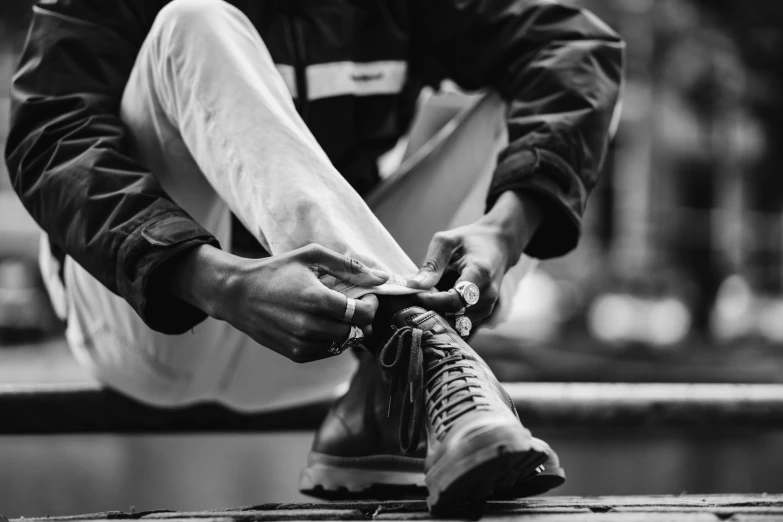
x=356, y=452
x=476, y=444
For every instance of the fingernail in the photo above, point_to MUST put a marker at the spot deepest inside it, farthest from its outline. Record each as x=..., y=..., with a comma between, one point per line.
x=418, y=278
x=379, y=273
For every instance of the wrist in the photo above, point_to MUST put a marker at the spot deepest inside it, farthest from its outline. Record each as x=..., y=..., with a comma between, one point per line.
x=200, y=277
x=516, y=217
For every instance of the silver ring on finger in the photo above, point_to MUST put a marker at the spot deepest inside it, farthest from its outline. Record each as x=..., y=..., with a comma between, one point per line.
x=355, y=338
x=335, y=348
x=350, y=308
x=463, y=325
x=468, y=291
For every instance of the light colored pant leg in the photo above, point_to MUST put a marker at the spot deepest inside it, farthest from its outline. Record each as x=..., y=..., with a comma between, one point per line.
x=214, y=121
x=211, y=117
x=216, y=82
x=444, y=183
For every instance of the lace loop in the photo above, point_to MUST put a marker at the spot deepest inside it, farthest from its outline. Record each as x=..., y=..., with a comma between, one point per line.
x=403, y=354
x=405, y=346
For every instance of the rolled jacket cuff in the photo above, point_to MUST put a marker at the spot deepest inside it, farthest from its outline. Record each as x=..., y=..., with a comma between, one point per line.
x=554, y=186
x=144, y=252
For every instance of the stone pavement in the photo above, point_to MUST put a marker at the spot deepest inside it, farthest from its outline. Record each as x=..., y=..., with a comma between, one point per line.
x=686, y=508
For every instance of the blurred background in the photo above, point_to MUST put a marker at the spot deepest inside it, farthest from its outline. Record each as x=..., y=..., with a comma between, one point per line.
x=678, y=278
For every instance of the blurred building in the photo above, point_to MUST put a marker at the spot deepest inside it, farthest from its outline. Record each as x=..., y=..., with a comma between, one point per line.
x=689, y=199
x=678, y=278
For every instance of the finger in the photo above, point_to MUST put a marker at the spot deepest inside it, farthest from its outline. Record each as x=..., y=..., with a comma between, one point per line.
x=309, y=351
x=303, y=350
x=366, y=313
x=324, y=329
x=321, y=334
x=336, y=303
x=330, y=332
x=476, y=274
x=456, y=320
x=478, y=316
x=485, y=307
x=438, y=256
x=442, y=302
x=345, y=268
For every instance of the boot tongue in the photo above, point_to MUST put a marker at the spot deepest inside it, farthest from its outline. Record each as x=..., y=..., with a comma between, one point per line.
x=404, y=316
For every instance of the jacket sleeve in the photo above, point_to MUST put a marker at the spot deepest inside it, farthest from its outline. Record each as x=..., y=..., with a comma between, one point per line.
x=68, y=160
x=559, y=68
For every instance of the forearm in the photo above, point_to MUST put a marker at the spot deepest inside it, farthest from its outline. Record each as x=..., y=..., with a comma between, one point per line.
x=515, y=217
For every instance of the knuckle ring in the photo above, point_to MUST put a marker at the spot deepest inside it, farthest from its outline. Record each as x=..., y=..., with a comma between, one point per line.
x=355, y=338
x=468, y=291
x=350, y=308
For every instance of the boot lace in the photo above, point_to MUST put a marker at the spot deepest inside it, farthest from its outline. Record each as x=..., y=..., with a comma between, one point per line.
x=403, y=357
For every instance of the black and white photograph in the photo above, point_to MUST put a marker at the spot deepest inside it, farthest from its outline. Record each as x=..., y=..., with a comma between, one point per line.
x=486, y=260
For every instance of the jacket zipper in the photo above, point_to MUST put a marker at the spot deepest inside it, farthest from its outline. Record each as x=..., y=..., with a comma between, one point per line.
x=297, y=44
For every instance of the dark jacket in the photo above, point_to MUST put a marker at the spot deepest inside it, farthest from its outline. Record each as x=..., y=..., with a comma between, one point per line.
x=558, y=67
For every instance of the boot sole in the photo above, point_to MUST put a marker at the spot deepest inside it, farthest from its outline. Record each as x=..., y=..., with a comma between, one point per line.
x=354, y=480
x=374, y=476
x=490, y=460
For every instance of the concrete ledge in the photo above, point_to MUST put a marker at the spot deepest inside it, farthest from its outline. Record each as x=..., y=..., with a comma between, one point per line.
x=710, y=508
x=64, y=409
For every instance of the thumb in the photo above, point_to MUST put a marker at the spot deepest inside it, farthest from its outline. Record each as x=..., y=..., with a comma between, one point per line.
x=438, y=256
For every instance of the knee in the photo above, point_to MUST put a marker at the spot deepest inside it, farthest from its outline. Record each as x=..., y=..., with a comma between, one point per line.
x=191, y=11
x=190, y=17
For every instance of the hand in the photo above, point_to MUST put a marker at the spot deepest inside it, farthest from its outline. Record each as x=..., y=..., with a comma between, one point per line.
x=478, y=255
x=481, y=253
x=280, y=302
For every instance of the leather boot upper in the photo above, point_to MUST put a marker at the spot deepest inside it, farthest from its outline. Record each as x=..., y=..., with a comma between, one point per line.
x=446, y=387
x=360, y=424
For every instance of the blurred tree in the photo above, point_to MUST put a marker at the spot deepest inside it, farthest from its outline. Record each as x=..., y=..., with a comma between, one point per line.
x=756, y=29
